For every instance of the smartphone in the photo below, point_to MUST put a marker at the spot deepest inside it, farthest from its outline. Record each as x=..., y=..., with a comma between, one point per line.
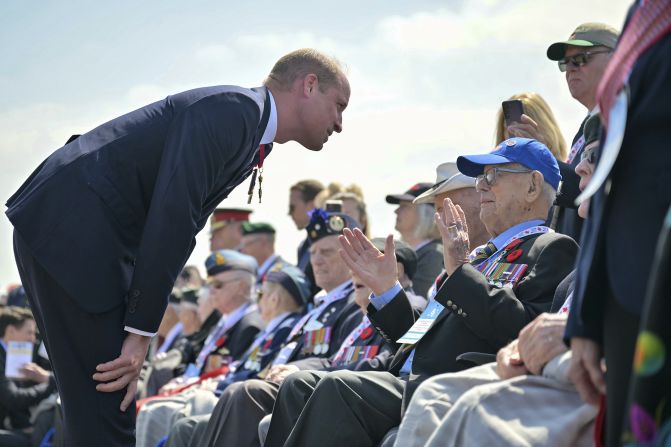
x=512, y=111
x=333, y=206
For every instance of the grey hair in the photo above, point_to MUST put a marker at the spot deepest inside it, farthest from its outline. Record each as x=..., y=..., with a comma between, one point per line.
x=426, y=225
x=549, y=194
x=249, y=280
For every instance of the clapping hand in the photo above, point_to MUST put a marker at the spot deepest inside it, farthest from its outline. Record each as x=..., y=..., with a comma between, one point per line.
x=376, y=270
x=454, y=232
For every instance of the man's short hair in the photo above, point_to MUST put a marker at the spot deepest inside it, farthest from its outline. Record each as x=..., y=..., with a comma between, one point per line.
x=308, y=189
x=302, y=62
x=13, y=316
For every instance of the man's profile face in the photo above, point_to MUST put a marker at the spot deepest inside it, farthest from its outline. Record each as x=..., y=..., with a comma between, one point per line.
x=501, y=204
x=322, y=113
x=298, y=209
x=583, y=81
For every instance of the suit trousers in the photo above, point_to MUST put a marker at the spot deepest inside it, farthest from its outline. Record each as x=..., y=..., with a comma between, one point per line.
x=336, y=408
x=77, y=341
x=235, y=419
x=620, y=333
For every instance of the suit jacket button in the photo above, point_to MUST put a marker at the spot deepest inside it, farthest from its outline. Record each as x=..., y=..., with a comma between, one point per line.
x=454, y=307
x=449, y=303
x=134, y=293
x=463, y=314
x=459, y=312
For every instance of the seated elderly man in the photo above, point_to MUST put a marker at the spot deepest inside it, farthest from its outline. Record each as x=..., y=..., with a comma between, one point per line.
x=528, y=384
x=284, y=293
x=483, y=300
x=231, y=281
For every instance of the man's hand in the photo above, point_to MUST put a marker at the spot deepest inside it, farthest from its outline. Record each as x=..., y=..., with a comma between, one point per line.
x=508, y=362
x=123, y=371
x=542, y=340
x=377, y=271
x=35, y=373
x=454, y=232
x=585, y=371
x=278, y=373
x=527, y=128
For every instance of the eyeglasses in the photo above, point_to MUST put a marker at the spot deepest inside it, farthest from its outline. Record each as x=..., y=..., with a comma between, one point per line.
x=578, y=60
x=218, y=284
x=489, y=177
x=589, y=154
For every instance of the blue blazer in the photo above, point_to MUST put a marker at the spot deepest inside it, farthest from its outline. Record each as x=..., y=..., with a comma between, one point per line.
x=113, y=215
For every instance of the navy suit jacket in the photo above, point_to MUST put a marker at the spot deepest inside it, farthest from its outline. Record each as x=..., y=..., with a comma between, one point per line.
x=627, y=212
x=112, y=216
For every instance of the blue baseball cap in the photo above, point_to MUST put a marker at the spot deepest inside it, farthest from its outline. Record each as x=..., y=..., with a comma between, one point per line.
x=529, y=153
x=226, y=260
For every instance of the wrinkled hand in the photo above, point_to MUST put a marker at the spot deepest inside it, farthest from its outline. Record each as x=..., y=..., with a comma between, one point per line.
x=542, y=340
x=35, y=373
x=377, y=271
x=527, y=128
x=278, y=373
x=123, y=371
x=454, y=232
x=585, y=371
x=509, y=363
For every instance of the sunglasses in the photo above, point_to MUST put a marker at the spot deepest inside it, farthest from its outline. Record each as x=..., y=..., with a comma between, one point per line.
x=489, y=177
x=589, y=154
x=578, y=60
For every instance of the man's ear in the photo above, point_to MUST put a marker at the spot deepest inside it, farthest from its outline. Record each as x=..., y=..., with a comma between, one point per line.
x=310, y=84
x=535, y=186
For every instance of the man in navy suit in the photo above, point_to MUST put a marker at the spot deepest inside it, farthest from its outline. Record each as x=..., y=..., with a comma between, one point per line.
x=123, y=203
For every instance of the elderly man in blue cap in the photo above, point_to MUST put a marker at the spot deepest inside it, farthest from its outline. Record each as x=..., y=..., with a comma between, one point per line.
x=483, y=300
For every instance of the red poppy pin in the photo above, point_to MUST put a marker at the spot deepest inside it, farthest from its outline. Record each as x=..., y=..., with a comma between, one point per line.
x=513, y=244
x=513, y=255
x=366, y=333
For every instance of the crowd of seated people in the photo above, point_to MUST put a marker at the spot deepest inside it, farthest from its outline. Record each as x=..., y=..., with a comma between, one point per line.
x=461, y=332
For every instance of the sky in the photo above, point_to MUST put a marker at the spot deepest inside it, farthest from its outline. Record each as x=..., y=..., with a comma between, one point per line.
x=427, y=79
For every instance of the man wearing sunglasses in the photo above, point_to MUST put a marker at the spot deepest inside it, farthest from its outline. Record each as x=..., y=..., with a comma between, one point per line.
x=583, y=59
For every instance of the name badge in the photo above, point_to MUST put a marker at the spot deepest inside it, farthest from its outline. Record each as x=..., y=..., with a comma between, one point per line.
x=423, y=323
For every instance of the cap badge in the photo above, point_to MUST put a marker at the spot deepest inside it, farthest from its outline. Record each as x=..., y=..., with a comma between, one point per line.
x=511, y=143
x=219, y=259
x=313, y=234
x=336, y=223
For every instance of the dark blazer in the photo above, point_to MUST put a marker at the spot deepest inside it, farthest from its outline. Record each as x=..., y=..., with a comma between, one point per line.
x=268, y=349
x=337, y=317
x=478, y=317
x=113, y=215
x=568, y=221
x=627, y=212
x=239, y=337
x=15, y=400
x=429, y=266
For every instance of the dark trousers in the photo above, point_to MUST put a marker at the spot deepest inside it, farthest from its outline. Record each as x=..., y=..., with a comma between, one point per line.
x=620, y=333
x=235, y=419
x=341, y=408
x=77, y=341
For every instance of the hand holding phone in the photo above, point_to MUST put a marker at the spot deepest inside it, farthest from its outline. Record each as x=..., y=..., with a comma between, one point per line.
x=512, y=111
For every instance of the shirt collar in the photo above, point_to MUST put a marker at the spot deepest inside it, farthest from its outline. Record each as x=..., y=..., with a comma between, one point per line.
x=271, y=128
x=501, y=239
x=275, y=322
x=237, y=313
x=422, y=244
x=266, y=264
x=338, y=290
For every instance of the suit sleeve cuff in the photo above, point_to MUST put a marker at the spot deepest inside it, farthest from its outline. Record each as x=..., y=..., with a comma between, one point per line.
x=382, y=300
x=132, y=330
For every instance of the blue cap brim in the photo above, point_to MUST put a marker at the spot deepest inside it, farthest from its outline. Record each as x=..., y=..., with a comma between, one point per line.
x=474, y=165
